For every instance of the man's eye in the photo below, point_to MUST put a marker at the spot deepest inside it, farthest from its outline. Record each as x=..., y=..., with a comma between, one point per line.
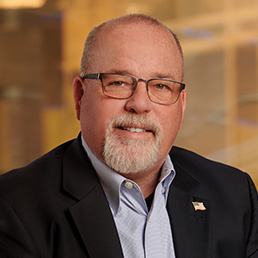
x=117, y=83
x=161, y=86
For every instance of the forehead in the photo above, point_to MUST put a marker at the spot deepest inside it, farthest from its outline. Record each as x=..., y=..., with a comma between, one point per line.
x=147, y=45
x=136, y=30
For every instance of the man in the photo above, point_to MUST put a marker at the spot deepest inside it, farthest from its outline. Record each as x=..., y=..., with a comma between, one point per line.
x=119, y=190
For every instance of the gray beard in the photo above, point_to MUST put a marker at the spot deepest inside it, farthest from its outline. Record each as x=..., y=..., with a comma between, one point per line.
x=126, y=155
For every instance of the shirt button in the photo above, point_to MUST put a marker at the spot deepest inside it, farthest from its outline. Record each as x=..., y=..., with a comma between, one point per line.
x=128, y=185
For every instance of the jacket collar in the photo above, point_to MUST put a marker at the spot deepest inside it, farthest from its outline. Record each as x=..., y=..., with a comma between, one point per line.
x=91, y=213
x=190, y=228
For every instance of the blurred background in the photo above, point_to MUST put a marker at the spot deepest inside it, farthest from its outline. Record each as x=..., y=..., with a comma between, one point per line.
x=41, y=42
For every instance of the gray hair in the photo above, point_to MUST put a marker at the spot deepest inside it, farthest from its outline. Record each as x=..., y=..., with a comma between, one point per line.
x=130, y=18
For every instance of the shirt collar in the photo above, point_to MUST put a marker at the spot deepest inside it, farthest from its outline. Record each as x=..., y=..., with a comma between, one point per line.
x=111, y=181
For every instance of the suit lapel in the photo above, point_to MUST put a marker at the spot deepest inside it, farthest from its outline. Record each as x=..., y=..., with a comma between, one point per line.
x=96, y=227
x=91, y=213
x=190, y=228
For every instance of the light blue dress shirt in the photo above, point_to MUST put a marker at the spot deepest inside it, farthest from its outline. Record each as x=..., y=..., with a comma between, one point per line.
x=143, y=233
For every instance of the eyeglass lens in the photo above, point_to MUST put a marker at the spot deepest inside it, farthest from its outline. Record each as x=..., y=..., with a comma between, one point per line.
x=123, y=86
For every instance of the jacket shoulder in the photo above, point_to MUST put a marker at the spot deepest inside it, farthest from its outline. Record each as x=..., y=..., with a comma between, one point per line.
x=202, y=167
x=36, y=174
x=182, y=155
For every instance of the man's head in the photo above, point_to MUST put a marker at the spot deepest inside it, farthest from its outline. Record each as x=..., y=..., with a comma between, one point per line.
x=127, y=19
x=131, y=134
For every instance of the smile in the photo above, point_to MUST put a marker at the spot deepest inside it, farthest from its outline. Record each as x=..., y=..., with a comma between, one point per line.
x=134, y=129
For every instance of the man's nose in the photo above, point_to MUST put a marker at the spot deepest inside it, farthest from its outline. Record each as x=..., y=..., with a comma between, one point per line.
x=139, y=102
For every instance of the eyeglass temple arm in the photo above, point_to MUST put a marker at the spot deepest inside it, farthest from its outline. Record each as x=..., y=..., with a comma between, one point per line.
x=92, y=76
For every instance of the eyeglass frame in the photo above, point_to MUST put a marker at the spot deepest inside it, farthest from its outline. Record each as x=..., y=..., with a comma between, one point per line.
x=100, y=76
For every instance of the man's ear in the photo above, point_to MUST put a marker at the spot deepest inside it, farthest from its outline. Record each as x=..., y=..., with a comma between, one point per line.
x=184, y=97
x=78, y=92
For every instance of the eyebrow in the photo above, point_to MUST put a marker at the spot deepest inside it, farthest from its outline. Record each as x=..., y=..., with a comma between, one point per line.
x=119, y=71
x=154, y=75
x=164, y=76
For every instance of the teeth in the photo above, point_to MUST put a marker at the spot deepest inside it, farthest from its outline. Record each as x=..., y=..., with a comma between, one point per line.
x=134, y=130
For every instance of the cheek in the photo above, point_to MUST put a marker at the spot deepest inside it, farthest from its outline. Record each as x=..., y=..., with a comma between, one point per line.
x=93, y=124
x=171, y=123
x=96, y=113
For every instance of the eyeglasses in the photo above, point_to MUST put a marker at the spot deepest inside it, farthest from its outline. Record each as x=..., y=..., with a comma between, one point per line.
x=121, y=86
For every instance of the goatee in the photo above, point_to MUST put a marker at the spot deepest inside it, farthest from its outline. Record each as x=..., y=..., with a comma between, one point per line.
x=128, y=155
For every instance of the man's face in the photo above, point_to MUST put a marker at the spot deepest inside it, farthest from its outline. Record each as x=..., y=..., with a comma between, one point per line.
x=134, y=134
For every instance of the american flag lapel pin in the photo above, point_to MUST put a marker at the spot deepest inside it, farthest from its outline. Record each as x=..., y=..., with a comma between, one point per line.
x=199, y=206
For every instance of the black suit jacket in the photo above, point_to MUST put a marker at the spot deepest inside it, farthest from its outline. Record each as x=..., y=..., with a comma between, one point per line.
x=56, y=208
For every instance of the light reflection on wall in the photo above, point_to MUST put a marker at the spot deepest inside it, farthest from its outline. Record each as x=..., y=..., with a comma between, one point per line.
x=18, y=4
